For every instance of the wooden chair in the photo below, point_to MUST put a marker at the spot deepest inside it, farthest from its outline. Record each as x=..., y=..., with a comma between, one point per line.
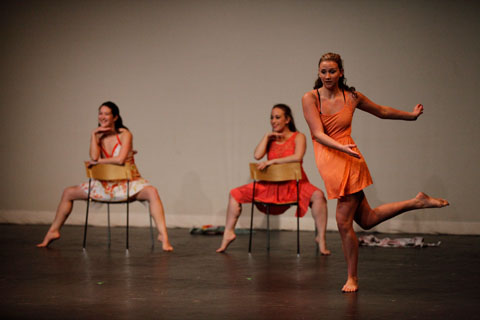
x=276, y=173
x=110, y=172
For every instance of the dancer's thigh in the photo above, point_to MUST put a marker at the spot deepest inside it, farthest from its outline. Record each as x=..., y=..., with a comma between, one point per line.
x=75, y=193
x=346, y=208
x=148, y=193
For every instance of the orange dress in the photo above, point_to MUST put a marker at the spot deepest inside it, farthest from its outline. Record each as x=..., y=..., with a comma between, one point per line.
x=341, y=173
x=275, y=192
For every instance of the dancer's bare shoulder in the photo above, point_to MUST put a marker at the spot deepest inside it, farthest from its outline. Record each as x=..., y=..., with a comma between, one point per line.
x=309, y=95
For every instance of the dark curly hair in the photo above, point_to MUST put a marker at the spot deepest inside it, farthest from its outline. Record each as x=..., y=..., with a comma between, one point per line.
x=342, y=82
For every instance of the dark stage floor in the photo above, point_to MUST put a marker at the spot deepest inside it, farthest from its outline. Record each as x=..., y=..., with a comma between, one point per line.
x=194, y=282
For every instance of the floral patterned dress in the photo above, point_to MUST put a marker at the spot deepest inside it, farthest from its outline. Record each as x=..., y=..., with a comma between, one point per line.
x=116, y=190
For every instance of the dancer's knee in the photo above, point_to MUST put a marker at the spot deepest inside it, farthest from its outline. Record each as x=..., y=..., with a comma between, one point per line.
x=344, y=225
x=233, y=202
x=151, y=193
x=70, y=193
x=364, y=221
x=319, y=197
x=365, y=226
x=344, y=228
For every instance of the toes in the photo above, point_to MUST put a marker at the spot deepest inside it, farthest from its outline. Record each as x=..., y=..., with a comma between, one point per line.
x=225, y=244
x=48, y=240
x=166, y=246
x=349, y=289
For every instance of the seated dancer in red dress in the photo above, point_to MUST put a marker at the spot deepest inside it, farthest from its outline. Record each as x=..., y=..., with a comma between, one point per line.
x=284, y=144
x=111, y=142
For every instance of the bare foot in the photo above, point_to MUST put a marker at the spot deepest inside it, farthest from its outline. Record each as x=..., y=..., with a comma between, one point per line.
x=228, y=238
x=351, y=285
x=322, y=247
x=166, y=246
x=428, y=202
x=49, y=238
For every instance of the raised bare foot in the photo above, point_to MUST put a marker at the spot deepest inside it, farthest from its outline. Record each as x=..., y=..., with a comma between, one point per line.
x=429, y=202
x=351, y=285
x=166, y=246
x=49, y=238
x=322, y=247
x=228, y=238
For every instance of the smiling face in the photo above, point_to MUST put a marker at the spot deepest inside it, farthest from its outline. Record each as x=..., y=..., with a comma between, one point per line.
x=106, y=118
x=329, y=73
x=278, y=120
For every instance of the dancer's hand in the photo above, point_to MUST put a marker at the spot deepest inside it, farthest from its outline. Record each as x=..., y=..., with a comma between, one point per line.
x=263, y=165
x=91, y=163
x=275, y=136
x=348, y=149
x=417, y=111
x=99, y=131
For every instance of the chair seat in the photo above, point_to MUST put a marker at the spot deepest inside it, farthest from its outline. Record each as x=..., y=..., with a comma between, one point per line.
x=113, y=202
x=277, y=203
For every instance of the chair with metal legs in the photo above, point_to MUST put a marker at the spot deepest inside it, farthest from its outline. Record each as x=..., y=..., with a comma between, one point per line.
x=111, y=172
x=276, y=173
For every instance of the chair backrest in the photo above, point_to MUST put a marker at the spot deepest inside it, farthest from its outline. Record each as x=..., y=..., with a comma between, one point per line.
x=109, y=172
x=277, y=172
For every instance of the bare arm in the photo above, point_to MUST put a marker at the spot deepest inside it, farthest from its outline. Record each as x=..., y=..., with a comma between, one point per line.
x=261, y=148
x=297, y=156
x=385, y=112
x=310, y=112
x=95, y=150
x=126, y=140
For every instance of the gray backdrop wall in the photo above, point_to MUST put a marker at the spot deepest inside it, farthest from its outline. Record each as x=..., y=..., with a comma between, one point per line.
x=195, y=81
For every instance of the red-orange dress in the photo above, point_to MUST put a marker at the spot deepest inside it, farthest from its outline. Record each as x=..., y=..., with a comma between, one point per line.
x=341, y=173
x=278, y=192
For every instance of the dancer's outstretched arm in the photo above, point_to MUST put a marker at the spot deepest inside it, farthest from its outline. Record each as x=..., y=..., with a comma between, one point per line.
x=385, y=112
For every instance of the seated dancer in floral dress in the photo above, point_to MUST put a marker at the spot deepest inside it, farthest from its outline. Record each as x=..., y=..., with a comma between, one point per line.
x=111, y=142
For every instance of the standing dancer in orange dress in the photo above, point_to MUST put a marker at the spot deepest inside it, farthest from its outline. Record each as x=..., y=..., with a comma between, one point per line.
x=282, y=145
x=110, y=142
x=328, y=110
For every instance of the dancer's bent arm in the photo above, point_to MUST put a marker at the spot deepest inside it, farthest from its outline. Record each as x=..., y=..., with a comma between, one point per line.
x=126, y=140
x=314, y=122
x=97, y=134
x=300, y=146
x=261, y=148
